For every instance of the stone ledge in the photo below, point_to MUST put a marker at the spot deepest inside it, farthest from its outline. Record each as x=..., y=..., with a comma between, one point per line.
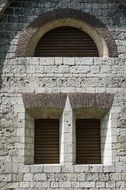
x=57, y=168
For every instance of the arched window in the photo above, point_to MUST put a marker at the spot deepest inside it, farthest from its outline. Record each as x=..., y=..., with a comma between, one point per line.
x=66, y=42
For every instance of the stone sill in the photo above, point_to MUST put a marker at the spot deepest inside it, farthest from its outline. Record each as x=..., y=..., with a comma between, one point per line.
x=59, y=168
x=67, y=60
x=94, y=168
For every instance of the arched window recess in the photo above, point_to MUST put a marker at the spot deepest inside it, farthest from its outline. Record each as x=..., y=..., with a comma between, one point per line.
x=66, y=41
x=66, y=32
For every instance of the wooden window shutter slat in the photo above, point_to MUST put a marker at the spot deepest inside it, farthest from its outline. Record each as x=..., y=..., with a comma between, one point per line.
x=46, y=148
x=88, y=149
x=66, y=42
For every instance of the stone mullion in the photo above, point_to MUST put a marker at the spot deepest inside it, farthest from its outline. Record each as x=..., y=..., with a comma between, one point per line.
x=66, y=136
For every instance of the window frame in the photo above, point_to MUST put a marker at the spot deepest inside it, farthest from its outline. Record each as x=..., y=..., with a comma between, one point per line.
x=82, y=139
x=39, y=146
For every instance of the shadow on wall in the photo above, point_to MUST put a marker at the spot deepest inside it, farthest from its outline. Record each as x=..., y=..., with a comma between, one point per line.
x=20, y=13
x=13, y=19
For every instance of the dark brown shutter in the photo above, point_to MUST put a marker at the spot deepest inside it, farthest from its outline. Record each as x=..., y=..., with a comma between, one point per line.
x=66, y=42
x=88, y=149
x=46, y=150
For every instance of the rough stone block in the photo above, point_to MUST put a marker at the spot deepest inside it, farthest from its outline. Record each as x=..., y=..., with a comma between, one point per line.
x=28, y=177
x=81, y=168
x=40, y=177
x=52, y=168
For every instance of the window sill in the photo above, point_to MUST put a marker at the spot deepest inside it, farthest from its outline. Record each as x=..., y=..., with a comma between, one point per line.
x=93, y=168
x=58, y=168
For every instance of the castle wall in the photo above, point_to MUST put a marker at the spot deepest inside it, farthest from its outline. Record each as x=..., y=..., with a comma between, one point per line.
x=61, y=75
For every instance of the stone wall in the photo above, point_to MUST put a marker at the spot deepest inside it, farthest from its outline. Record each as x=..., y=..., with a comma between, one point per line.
x=55, y=75
x=21, y=13
x=60, y=75
x=3, y=5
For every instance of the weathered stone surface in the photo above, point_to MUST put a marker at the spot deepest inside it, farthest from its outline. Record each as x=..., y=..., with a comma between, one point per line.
x=44, y=100
x=66, y=76
x=105, y=177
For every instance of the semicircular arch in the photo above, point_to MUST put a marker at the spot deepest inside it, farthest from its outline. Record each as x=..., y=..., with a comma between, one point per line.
x=67, y=17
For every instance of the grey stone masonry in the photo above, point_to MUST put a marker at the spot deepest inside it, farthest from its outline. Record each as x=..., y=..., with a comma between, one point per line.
x=66, y=75
x=21, y=13
x=64, y=83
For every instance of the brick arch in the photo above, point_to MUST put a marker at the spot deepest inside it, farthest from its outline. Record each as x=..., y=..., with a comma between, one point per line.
x=30, y=33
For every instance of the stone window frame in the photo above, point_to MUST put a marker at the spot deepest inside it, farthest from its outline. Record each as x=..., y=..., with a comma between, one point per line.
x=41, y=106
x=68, y=107
x=96, y=106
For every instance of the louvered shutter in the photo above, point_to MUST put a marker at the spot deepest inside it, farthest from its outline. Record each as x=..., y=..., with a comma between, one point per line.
x=66, y=42
x=88, y=149
x=46, y=147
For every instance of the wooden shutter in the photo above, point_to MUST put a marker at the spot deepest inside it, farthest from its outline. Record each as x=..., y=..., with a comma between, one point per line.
x=66, y=42
x=88, y=149
x=46, y=148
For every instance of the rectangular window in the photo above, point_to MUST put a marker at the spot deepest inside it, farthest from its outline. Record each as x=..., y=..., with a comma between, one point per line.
x=88, y=146
x=46, y=142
